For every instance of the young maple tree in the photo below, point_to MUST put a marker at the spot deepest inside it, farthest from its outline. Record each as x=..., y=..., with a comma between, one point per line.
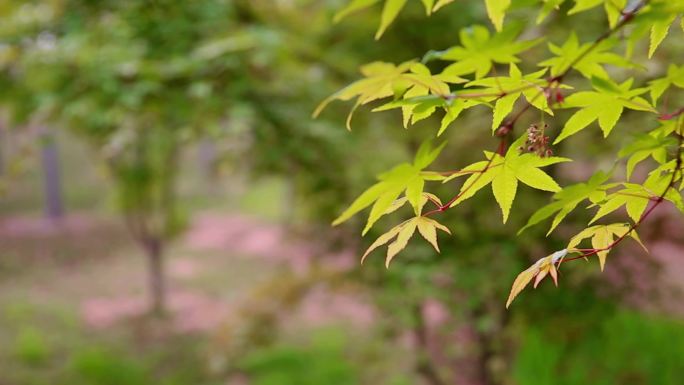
x=472, y=79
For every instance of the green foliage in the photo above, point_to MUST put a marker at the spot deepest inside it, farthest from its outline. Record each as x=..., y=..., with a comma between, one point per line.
x=625, y=348
x=504, y=172
x=479, y=50
x=105, y=368
x=591, y=63
x=472, y=80
x=605, y=104
x=405, y=178
x=31, y=347
x=322, y=361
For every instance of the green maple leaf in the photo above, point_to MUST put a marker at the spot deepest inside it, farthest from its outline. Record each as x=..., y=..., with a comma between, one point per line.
x=591, y=62
x=605, y=104
x=424, y=93
x=496, y=10
x=653, y=144
x=634, y=197
x=659, y=179
x=407, y=178
x=504, y=173
x=566, y=200
x=658, y=18
x=479, y=50
x=390, y=11
x=602, y=237
x=547, y=7
x=675, y=76
x=382, y=80
x=614, y=8
x=513, y=87
x=403, y=232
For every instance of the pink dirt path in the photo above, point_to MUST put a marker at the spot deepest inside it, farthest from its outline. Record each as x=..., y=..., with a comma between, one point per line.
x=231, y=235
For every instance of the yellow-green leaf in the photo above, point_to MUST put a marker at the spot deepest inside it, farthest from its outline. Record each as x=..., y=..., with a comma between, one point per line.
x=353, y=6
x=402, y=240
x=414, y=193
x=504, y=186
x=363, y=201
x=384, y=238
x=577, y=122
x=602, y=239
x=381, y=205
x=440, y=4
x=538, y=179
x=502, y=108
x=496, y=10
x=389, y=13
x=658, y=32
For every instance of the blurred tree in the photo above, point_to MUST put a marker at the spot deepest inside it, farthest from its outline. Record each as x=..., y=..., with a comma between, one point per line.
x=143, y=80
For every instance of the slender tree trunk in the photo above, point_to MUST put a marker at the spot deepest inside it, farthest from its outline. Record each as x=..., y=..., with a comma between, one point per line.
x=206, y=152
x=54, y=208
x=157, y=281
x=2, y=149
x=424, y=364
x=491, y=342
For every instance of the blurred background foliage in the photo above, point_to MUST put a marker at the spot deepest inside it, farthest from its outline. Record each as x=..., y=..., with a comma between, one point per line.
x=168, y=111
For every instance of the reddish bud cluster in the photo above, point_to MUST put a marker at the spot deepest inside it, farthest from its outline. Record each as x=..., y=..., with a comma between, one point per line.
x=537, y=142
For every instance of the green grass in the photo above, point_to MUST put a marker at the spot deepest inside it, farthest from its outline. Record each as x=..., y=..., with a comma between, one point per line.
x=625, y=349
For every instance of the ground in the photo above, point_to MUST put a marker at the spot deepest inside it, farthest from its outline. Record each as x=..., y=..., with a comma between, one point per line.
x=60, y=287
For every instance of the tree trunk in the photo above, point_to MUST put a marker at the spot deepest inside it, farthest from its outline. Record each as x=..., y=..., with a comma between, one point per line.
x=157, y=281
x=54, y=208
x=424, y=364
x=2, y=149
x=206, y=152
x=491, y=361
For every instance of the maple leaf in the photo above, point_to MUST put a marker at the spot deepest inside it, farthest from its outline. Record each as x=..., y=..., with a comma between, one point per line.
x=605, y=104
x=379, y=82
x=614, y=8
x=496, y=10
x=592, y=60
x=634, y=197
x=390, y=11
x=675, y=76
x=547, y=7
x=440, y=3
x=504, y=173
x=424, y=93
x=540, y=269
x=659, y=180
x=603, y=238
x=453, y=109
x=653, y=144
x=403, y=232
x=513, y=87
x=567, y=200
x=479, y=50
x=407, y=178
x=658, y=17
x=382, y=80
